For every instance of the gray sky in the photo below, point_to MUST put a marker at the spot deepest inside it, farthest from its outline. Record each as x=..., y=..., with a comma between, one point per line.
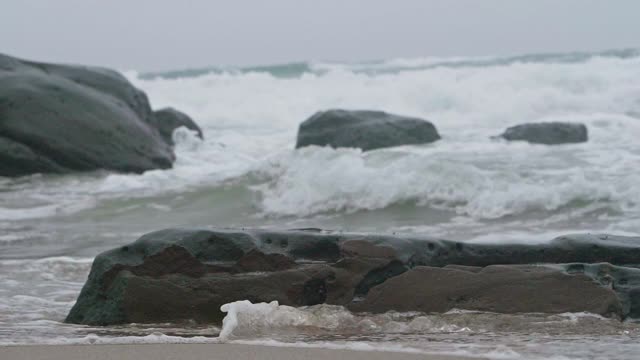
x=163, y=34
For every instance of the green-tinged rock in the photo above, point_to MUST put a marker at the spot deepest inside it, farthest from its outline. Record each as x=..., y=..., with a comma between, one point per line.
x=63, y=118
x=548, y=133
x=187, y=274
x=367, y=130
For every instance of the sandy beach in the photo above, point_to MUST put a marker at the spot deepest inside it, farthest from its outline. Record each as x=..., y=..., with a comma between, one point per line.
x=197, y=352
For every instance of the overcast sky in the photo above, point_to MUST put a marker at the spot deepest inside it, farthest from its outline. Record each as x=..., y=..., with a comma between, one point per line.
x=163, y=34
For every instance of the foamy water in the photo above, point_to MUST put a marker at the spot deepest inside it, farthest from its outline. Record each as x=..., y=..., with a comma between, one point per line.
x=246, y=173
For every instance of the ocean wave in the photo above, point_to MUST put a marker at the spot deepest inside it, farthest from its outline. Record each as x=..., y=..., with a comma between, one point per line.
x=250, y=121
x=297, y=69
x=257, y=114
x=320, y=180
x=279, y=70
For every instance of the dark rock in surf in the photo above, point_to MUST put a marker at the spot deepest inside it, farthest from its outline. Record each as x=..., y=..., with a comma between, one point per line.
x=62, y=118
x=549, y=133
x=181, y=274
x=366, y=130
x=169, y=119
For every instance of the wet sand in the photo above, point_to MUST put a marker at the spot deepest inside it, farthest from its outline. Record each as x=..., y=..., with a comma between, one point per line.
x=199, y=352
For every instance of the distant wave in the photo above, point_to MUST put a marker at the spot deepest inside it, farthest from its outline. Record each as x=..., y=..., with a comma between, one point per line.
x=297, y=69
x=294, y=69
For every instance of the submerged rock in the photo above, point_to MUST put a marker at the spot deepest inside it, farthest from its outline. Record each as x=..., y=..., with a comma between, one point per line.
x=63, y=118
x=362, y=129
x=549, y=133
x=182, y=274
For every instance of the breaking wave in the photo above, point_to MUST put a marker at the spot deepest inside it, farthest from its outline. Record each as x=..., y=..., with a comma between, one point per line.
x=250, y=119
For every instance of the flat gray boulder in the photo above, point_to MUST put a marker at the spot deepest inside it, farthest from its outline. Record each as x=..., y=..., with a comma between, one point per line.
x=364, y=129
x=548, y=133
x=63, y=118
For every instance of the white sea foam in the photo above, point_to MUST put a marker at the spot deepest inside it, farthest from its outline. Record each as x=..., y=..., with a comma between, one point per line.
x=256, y=114
x=245, y=320
x=266, y=323
x=316, y=180
x=245, y=317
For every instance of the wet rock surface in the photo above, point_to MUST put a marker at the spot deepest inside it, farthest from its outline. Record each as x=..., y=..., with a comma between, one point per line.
x=187, y=274
x=364, y=129
x=169, y=119
x=549, y=133
x=67, y=118
x=496, y=288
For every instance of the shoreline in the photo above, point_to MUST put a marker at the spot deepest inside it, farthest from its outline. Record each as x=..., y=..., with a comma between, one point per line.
x=202, y=351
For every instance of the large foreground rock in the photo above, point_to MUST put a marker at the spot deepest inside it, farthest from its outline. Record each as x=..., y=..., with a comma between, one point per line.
x=183, y=275
x=549, y=133
x=362, y=129
x=62, y=118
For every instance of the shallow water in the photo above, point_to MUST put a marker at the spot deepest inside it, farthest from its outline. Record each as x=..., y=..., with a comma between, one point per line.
x=246, y=173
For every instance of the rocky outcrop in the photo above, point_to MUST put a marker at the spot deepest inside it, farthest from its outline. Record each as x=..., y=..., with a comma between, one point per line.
x=169, y=119
x=549, y=133
x=63, y=118
x=183, y=275
x=362, y=129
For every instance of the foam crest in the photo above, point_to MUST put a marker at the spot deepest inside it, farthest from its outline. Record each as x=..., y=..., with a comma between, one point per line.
x=248, y=320
x=319, y=180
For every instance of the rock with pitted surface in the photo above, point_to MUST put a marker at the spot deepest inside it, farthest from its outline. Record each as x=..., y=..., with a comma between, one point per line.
x=548, y=133
x=364, y=129
x=63, y=118
x=187, y=274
